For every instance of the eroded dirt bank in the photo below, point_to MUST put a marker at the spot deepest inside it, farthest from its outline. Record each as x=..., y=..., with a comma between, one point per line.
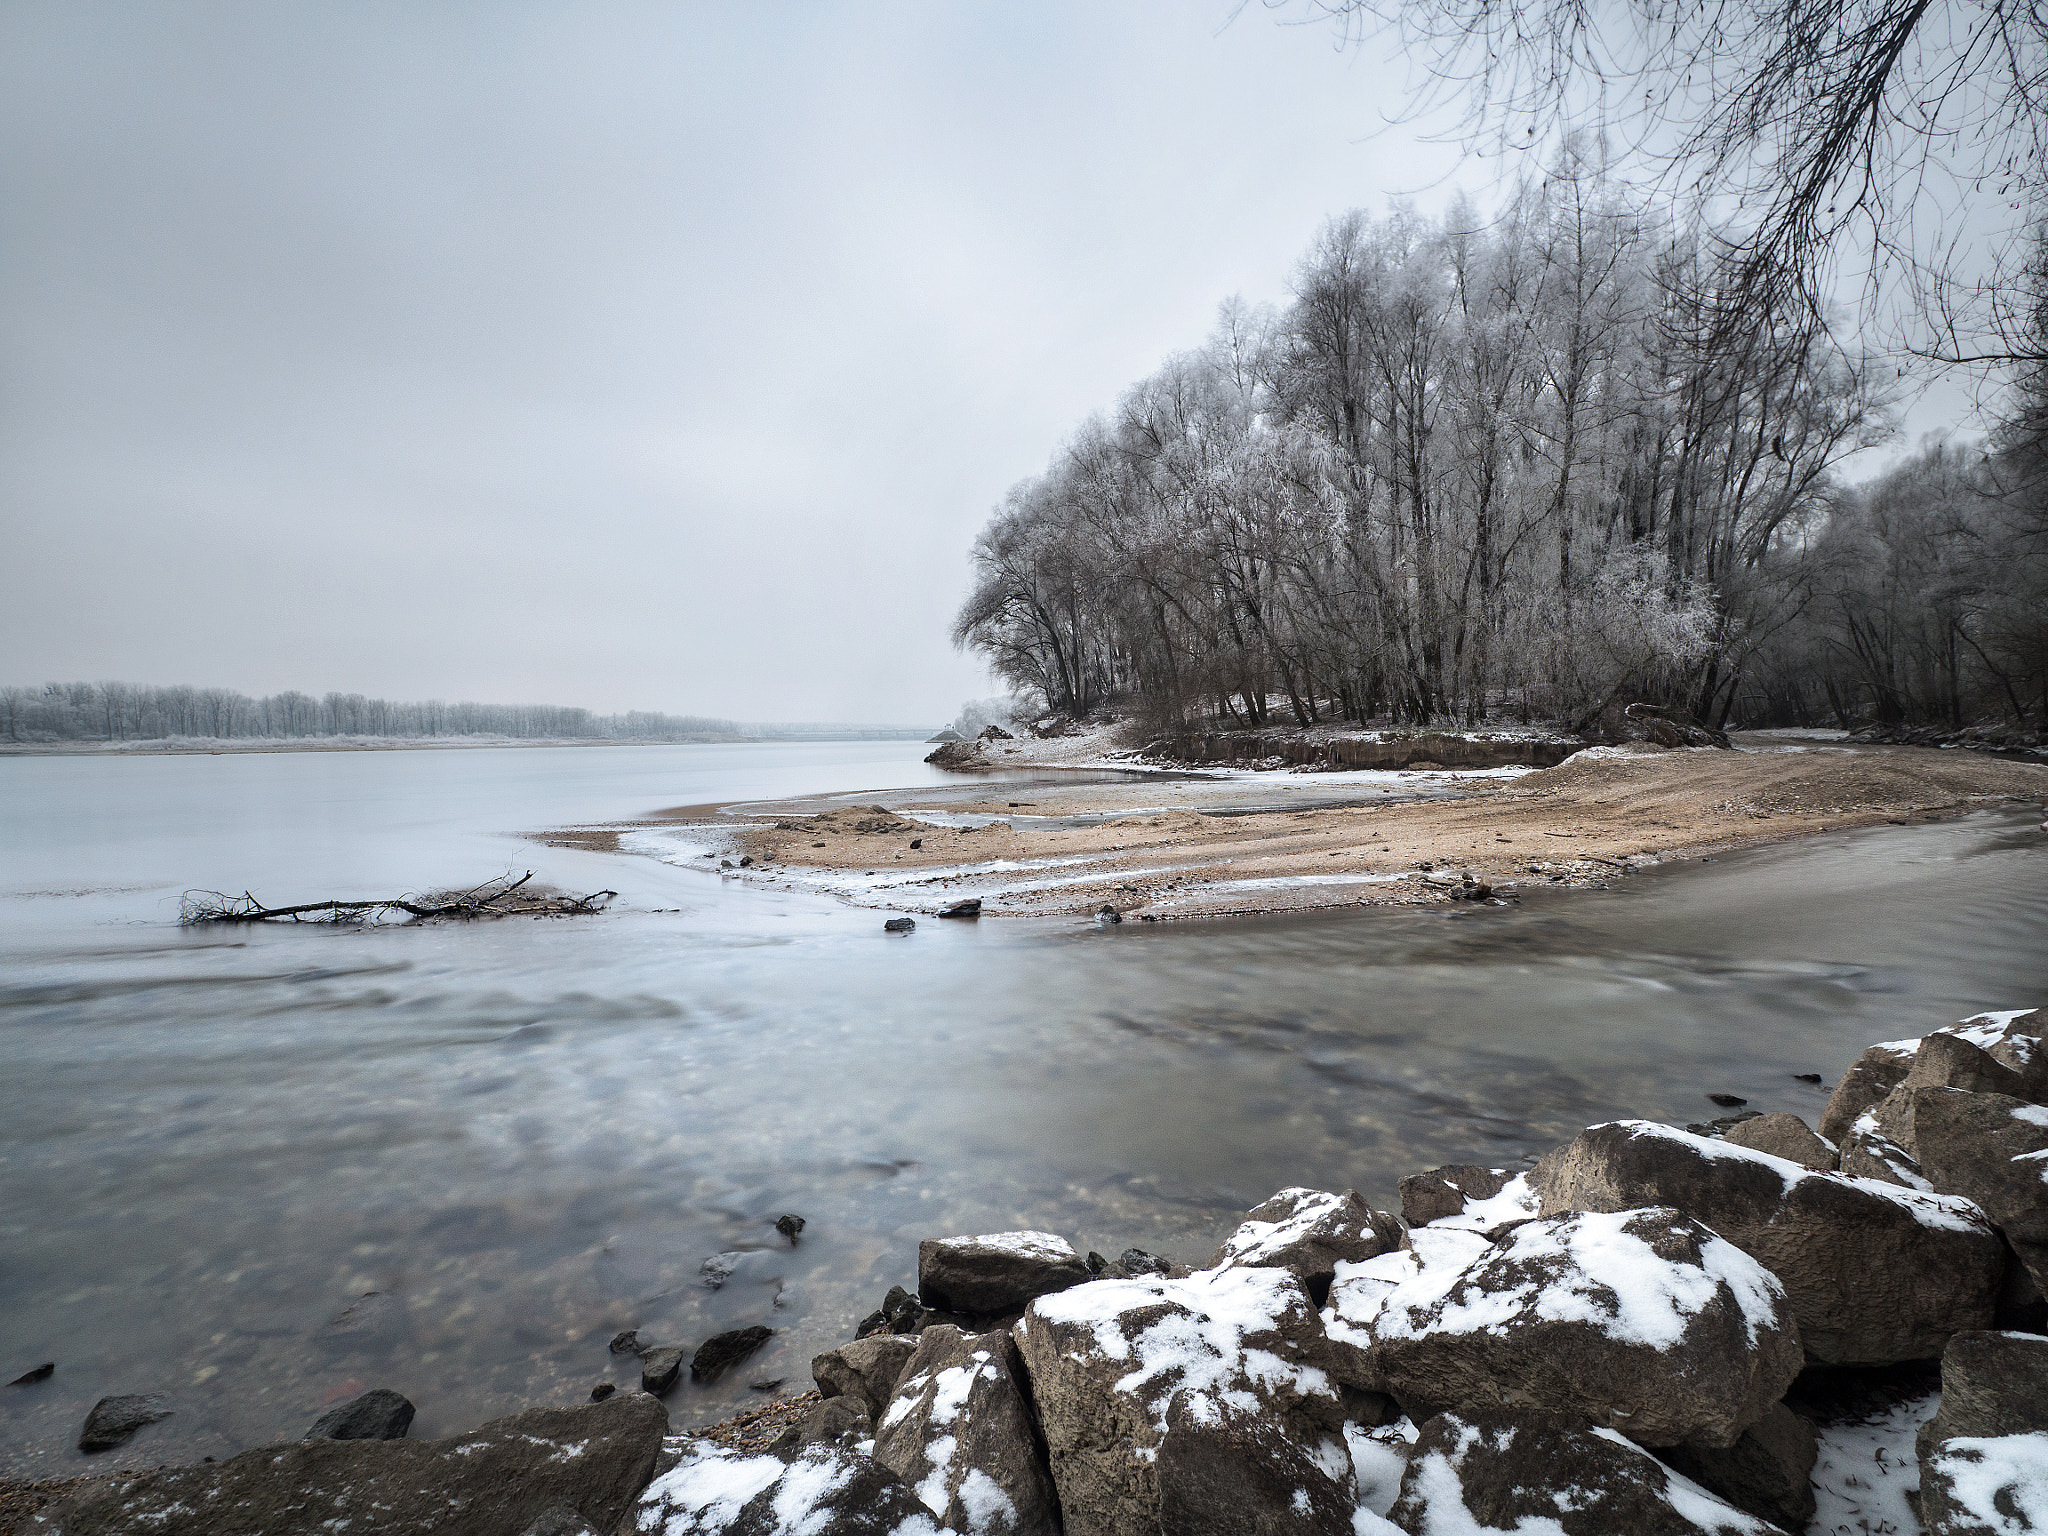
x=1203, y=846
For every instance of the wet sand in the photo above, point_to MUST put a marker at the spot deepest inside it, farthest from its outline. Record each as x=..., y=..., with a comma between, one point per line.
x=1199, y=845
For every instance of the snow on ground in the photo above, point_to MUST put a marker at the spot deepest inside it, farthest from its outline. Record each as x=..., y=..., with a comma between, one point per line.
x=1865, y=1470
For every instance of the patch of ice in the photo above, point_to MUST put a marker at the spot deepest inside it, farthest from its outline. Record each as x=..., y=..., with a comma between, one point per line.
x=1288, y=882
x=1864, y=1471
x=1378, y=1458
x=2001, y=1482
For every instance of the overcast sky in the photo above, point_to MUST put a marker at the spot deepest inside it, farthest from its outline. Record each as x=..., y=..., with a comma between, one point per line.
x=659, y=356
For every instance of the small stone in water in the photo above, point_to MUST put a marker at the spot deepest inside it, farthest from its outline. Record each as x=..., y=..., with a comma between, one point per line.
x=627, y=1343
x=30, y=1378
x=1728, y=1100
x=602, y=1390
x=114, y=1419
x=1806, y=1077
x=659, y=1369
x=715, y=1354
x=767, y=1383
x=900, y=925
x=789, y=1225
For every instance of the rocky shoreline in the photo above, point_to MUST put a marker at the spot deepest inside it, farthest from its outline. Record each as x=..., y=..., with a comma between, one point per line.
x=1649, y=1330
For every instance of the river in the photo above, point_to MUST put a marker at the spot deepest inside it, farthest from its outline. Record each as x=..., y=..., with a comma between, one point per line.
x=529, y=1135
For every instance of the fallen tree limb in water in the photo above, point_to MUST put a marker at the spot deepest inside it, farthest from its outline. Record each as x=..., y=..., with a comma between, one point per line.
x=495, y=898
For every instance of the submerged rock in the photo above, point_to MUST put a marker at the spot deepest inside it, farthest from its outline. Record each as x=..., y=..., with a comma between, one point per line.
x=501, y=1477
x=726, y=1349
x=114, y=1420
x=379, y=1414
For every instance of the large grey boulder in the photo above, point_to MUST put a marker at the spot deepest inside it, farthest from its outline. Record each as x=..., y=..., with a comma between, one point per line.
x=1991, y=1384
x=1872, y=1149
x=1502, y=1469
x=1785, y=1136
x=1768, y=1472
x=820, y=1491
x=866, y=1370
x=2017, y=1039
x=1875, y=1274
x=1141, y=1383
x=995, y=1273
x=1308, y=1232
x=498, y=1478
x=1879, y=1070
x=1642, y=1321
x=1950, y=1061
x=960, y=1432
x=1988, y=1148
x=1988, y=1486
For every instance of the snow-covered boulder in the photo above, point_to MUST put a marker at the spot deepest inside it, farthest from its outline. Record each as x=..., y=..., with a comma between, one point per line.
x=1875, y=1273
x=1880, y=1069
x=1439, y=1192
x=1991, y=1384
x=1986, y=1486
x=1785, y=1136
x=1150, y=1390
x=1308, y=1232
x=1643, y=1321
x=821, y=1491
x=1502, y=1470
x=2017, y=1038
x=1988, y=1148
x=961, y=1434
x=995, y=1273
x=866, y=1370
x=1947, y=1060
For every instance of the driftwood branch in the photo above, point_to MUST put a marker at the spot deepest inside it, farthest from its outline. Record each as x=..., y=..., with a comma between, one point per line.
x=494, y=898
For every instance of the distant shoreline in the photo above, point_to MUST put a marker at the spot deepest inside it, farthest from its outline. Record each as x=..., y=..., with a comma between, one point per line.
x=188, y=747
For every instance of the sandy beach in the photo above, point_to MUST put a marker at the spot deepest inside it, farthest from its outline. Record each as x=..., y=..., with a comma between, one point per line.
x=1235, y=842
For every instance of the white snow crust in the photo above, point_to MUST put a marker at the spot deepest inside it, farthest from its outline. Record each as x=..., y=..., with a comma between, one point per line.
x=1316, y=1213
x=1979, y=1470
x=1864, y=1472
x=1517, y=1201
x=1024, y=1245
x=705, y=1493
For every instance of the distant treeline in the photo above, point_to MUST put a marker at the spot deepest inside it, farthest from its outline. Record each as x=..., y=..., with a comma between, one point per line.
x=131, y=712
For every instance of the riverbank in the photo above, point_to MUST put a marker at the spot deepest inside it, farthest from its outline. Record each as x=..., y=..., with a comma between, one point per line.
x=1230, y=842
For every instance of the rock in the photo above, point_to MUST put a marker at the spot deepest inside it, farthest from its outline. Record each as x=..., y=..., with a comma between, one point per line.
x=379, y=1414
x=968, y=908
x=1520, y=1470
x=1991, y=1384
x=501, y=1477
x=114, y=1419
x=725, y=1349
x=1785, y=1136
x=960, y=1431
x=1642, y=1321
x=1440, y=1192
x=866, y=1370
x=1875, y=1274
x=899, y=1313
x=820, y=1491
x=659, y=1369
x=1767, y=1473
x=2015, y=1040
x=996, y=1272
x=602, y=1390
x=1994, y=1486
x=1308, y=1232
x=917, y=842
x=559, y=1520
x=837, y=1421
x=1108, y=914
x=1136, y=1261
x=34, y=1374
x=627, y=1343
x=746, y=861
x=1219, y=1363
x=995, y=733
x=1728, y=1100
x=1868, y=1153
x=1863, y=1087
x=1950, y=1061
x=789, y=1227
x=1808, y=1077
x=1988, y=1148
x=900, y=925
x=375, y=1316
x=957, y=754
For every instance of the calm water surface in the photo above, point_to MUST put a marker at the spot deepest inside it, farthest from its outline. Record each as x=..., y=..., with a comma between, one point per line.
x=529, y=1135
